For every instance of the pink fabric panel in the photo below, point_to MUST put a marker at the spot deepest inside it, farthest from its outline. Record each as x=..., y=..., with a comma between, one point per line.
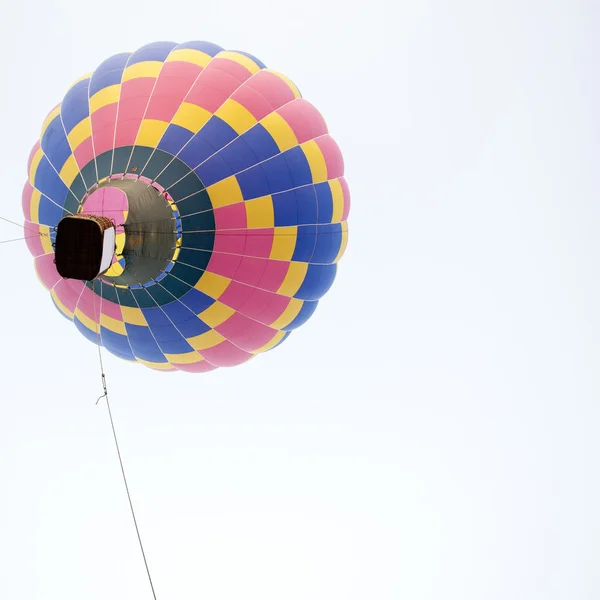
x=333, y=156
x=225, y=354
x=272, y=88
x=245, y=333
x=46, y=270
x=304, y=119
x=26, y=200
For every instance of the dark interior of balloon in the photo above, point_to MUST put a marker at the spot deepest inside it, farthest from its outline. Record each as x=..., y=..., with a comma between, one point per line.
x=86, y=243
x=84, y=246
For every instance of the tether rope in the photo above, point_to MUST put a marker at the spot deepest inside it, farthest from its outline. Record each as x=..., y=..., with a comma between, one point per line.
x=112, y=424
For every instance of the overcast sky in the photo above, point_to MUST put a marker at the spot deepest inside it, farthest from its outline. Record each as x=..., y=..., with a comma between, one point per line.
x=432, y=432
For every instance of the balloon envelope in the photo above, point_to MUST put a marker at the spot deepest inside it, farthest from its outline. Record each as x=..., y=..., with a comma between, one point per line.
x=227, y=196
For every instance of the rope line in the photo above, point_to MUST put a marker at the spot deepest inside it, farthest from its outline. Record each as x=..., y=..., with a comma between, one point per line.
x=114, y=432
x=13, y=222
x=22, y=226
x=27, y=237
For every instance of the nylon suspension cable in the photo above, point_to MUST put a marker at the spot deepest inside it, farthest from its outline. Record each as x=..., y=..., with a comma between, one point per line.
x=22, y=226
x=114, y=432
x=27, y=237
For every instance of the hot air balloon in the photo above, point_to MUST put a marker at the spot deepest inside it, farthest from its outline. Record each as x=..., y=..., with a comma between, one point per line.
x=191, y=206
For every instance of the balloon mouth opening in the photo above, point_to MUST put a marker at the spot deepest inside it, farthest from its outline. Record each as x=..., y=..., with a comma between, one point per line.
x=84, y=246
x=147, y=230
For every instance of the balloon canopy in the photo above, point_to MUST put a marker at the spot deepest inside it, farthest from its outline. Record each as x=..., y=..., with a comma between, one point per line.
x=209, y=201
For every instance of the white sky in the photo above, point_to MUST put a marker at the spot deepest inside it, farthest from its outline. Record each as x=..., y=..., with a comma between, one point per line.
x=431, y=433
